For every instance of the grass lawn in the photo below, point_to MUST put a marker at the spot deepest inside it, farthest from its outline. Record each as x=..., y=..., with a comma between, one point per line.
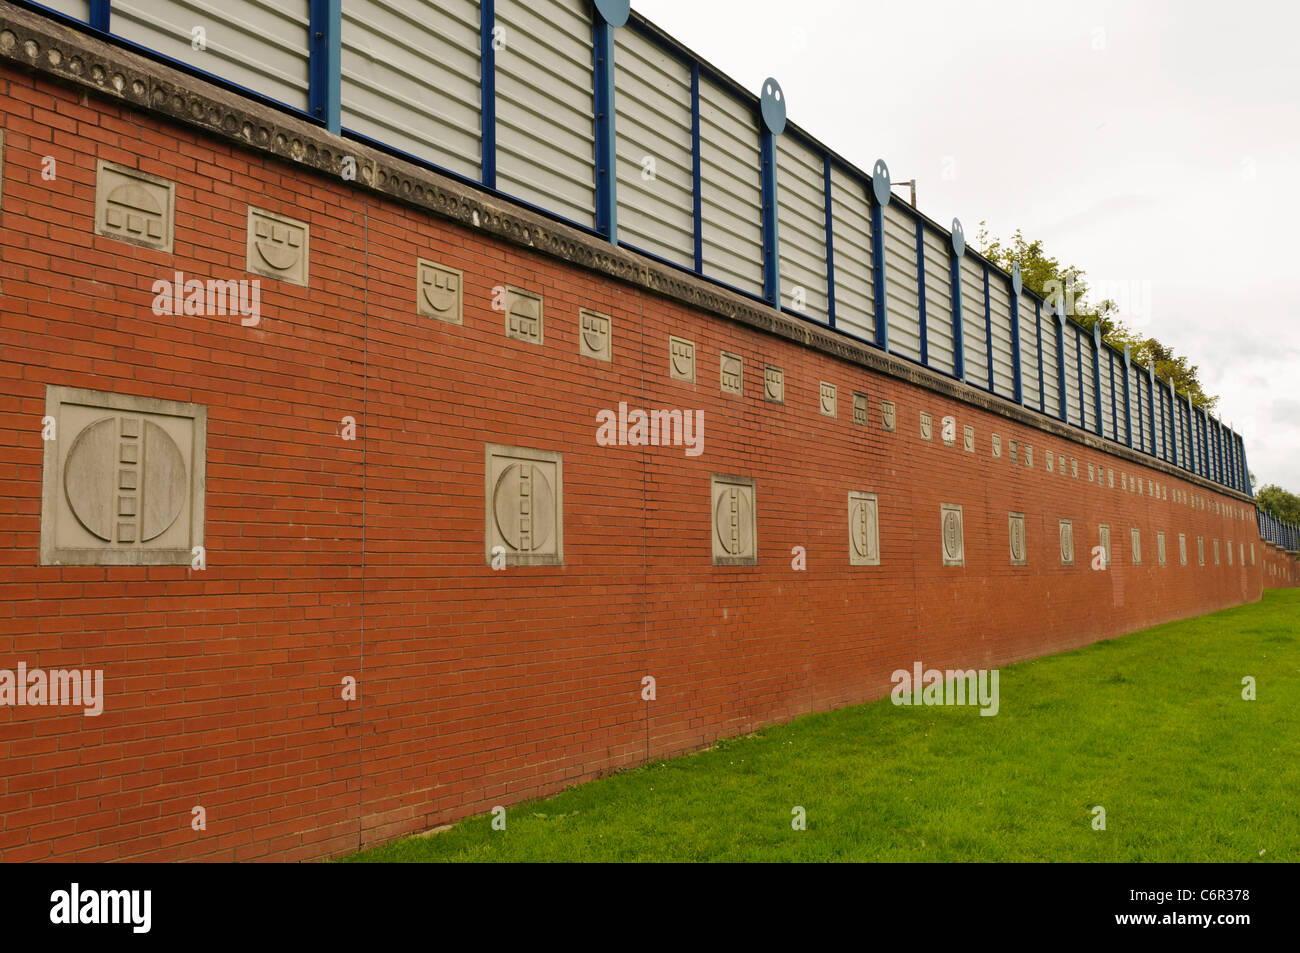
x=1151, y=726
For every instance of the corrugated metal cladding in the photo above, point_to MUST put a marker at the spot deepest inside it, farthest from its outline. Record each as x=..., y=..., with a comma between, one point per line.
x=652, y=92
x=900, y=282
x=1087, y=349
x=1107, y=393
x=411, y=78
x=546, y=141
x=1072, y=374
x=1004, y=374
x=731, y=184
x=1162, y=445
x=851, y=235
x=1028, y=352
x=974, y=337
x=261, y=45
x=938, y=301
x=801, y=227
x=1052, y=370
x=1138, y=407
x=80, y=9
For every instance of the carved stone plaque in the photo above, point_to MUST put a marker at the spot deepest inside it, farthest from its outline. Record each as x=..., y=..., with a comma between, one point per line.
x=733, y=374
x=927, y=426
x=1016, y=532
x=1137, y=545
x=734, y=520
x=860, y=405
x=595, y=335
x=1067, y=543
x=681, y=359
x=887, y=416
x=829, y=399
x=1103, y=534
x=1160, y=548
x=278, y=246
x=523, y=494
x=1182, y=550
x=968, y=438
x=524, y=316
x=135, y=207
x=774, y=384
x=438, y=292
x=953, y=534
x=124, y=480
x=864, y=529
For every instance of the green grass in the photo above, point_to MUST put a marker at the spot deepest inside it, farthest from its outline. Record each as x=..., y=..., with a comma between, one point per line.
x=1151, y=726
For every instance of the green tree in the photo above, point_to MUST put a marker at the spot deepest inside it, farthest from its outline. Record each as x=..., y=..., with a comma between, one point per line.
x=1046, y=277
x=1271, y=498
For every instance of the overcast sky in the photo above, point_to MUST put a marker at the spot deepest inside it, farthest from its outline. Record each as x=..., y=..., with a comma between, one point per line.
x=1156, y=145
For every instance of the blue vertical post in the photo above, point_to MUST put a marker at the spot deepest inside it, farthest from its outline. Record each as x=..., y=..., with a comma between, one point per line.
x=1245, y=470
x=1078, y=366
x=878, y=273
x=99, y=15
x=1151, y=406
x=1060, y=361
x=324, y=62
x=957, y=247
x=1017, y=386
x=487, y=93
x=1128, y=396
x=1042, y=371
x=1177, y=424
x=1096, y=372
x=920, y=291
x=606, y=144
x=988, y=328
x=830, y=245
x=697, y=197
x=772, y=110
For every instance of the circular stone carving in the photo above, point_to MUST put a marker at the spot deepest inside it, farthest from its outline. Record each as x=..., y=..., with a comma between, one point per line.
x=735, y=538
x=958, y=238
x=524, y=505
x=772, y=106
x=154, y=463
x=951, y=535
x=880, y=183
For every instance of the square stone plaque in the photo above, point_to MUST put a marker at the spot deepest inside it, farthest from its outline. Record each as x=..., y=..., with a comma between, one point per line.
x=438, y=292
x=124, y=480
x=278, y=246
x=595, y=335
x=134, y=206
x=523, y=496
x=734, y=520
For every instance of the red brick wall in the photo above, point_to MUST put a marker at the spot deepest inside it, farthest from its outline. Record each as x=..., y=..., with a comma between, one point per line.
x=329, y=558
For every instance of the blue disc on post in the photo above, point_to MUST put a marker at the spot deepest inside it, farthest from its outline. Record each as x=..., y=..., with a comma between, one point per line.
x=958, y=238
x=880, y=184
x=614, y=12
x=772, y=103
x=1016, y=282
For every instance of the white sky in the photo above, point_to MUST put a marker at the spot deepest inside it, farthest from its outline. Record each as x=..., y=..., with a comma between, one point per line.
x=1156, y=145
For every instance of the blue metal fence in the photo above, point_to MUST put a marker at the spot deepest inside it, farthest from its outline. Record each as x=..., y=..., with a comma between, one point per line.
x=1069, y=373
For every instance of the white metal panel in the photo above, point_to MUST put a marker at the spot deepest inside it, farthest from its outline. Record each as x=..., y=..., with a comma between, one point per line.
x=974, y=333
x=262, y=45
x=851, y=235
x=731, y=190
x=1051, y=373
x=652, y=92
x=801, y=227
x=1004, y=375
x=546, y=140
x=938, y=301
x=79, y=9
x=900, y=282
x=1028, y=351
x=1072, y=374
x=1162, y=437
x=1138, y=407
x=1107, y=393
x=1086, y=351
x=411, y=78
